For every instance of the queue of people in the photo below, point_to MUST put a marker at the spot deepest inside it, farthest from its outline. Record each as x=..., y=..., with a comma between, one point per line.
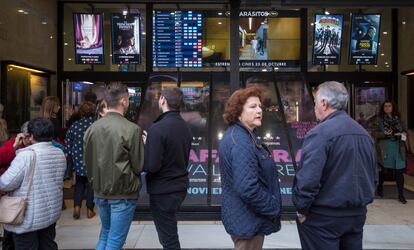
x=335, y=181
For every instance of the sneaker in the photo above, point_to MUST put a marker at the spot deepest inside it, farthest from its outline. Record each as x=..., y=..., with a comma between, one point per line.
x=402, y=199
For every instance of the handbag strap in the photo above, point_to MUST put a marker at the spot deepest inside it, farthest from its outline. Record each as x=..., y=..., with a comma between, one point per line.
x=32, y=166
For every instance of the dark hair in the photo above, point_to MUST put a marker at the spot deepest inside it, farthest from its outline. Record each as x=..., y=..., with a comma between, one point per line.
x=394, y=109
x=87, y=109
x=234, y=106
x=174, y=97
x=41, y=129
x=114, y=93
x=90, y=97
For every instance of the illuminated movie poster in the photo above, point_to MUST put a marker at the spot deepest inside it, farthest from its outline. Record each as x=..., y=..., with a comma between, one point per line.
x=364, y=38
x=88, y=38
x=327, y=39
x=125, y=38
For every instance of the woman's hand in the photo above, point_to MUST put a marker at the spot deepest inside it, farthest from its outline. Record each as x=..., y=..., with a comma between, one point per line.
x=18, y=141
x=144, y=136
x=387, y=132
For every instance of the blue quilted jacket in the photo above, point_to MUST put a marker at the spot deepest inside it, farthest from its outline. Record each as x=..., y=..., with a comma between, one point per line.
x=251, y=201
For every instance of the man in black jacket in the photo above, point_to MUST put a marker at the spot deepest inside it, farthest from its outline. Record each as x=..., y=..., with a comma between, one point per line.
x=337, y=176
x=167, y=152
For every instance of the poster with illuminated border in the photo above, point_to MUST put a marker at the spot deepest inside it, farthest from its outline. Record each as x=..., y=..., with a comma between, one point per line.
x=327, y=39
x=365, y=32
x=126, y=35
x=88, y=34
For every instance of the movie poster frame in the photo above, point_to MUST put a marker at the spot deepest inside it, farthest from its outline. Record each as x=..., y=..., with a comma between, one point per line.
x=350, y=38
x=103, y=37
x=313, y=39
x=112, y=39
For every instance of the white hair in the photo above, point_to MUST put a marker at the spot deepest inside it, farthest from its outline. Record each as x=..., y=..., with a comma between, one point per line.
x=335, y=93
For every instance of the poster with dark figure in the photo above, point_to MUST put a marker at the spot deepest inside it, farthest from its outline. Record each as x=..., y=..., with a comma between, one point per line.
x=364, y=38
x=327, y=39
x=88, y=38
x=126, y=39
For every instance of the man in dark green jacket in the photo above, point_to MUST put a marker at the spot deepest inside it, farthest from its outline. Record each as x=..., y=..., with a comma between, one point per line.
x=114, y=157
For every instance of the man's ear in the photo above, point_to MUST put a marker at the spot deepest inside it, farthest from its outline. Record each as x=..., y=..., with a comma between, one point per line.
x=325, y=104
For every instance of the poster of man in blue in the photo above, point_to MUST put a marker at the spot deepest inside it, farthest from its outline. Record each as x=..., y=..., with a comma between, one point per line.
x=364, y=38
x=327, y=39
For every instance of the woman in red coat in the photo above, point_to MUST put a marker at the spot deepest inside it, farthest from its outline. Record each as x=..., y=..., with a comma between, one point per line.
x=7, y=154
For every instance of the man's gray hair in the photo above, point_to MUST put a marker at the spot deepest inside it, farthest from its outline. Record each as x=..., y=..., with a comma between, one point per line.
x=23, y=128
x=335, y=93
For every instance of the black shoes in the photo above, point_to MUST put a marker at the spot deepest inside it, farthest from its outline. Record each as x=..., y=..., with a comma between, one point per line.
x=380, y=194
x=402, y=199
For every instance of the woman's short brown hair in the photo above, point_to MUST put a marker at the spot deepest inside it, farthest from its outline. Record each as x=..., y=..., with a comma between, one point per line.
x=234, y=106
x=87, y=109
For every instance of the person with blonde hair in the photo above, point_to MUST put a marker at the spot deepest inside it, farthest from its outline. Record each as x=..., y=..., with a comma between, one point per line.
x=50, y=108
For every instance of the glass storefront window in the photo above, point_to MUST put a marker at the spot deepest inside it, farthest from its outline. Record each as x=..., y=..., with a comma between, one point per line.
x=221, y=93
x=109, y=43
x=25, y=89
x=384, y=45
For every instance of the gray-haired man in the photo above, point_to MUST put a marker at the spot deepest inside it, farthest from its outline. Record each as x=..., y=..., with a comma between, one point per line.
x=336, y=177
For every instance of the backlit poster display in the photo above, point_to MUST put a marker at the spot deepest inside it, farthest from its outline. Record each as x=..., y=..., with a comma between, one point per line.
x=364, y=38
x=327, y=39
x=126, y=47
x=88, y=34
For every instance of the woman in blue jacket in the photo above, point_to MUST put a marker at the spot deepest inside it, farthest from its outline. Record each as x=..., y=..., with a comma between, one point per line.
x=251, y=201
x=391, y=148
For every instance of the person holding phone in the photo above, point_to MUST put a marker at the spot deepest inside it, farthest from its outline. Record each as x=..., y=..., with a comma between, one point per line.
x=391, y=147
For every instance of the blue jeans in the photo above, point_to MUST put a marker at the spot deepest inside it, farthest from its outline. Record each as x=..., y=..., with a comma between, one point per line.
x=116, y=218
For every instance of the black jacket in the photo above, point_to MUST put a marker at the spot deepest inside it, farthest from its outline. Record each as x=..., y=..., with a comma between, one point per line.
x=337, y=173
x=166, y=154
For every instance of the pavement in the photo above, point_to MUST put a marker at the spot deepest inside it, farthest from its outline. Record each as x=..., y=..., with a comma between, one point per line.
x=389, y=225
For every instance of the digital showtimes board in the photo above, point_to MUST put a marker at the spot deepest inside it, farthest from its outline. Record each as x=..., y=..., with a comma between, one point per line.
x=177, y=39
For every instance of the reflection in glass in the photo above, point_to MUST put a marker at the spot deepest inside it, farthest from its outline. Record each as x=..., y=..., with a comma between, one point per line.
x=221, y=93
x=367, y=104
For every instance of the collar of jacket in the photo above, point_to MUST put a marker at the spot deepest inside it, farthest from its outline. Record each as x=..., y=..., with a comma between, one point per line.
x=33, y=146
x=168, y=113
x=112, y=113
x=334, y=114
x=252, y=134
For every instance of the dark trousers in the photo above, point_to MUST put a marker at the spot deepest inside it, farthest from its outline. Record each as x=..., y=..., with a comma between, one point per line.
x=164, y=208
x=320, y=232
x=43, y=239
x=81, y=185
x=8, y=240
x=398, y=176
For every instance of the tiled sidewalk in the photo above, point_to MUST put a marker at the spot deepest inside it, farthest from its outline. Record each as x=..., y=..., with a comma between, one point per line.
x=390, y=225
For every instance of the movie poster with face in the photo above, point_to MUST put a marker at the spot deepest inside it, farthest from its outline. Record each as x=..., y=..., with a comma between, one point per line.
x=327, y=39
x=88, y=38
x=126, y=39
x=364, y=38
